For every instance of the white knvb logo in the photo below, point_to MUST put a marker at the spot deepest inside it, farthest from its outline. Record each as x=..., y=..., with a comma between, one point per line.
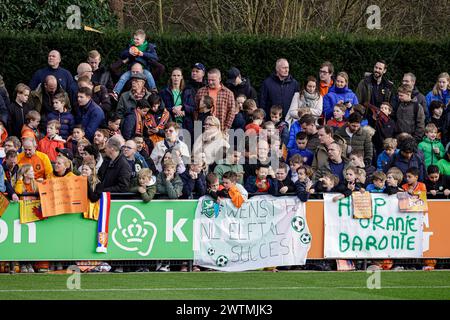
x=134, y=235
x=374, y=20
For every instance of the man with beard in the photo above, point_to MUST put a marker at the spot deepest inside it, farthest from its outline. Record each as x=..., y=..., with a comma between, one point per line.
x=100, y=138
x=375, y=88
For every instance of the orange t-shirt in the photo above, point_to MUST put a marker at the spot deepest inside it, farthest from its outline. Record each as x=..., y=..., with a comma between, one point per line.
x=38, y=165
x=420, y=187
x=213, y=94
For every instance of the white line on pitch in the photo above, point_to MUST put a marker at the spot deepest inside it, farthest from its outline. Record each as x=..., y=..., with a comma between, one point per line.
x=214, y=289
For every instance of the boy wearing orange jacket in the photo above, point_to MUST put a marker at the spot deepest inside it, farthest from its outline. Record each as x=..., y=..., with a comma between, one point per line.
x=52, y=140
x=229, y=189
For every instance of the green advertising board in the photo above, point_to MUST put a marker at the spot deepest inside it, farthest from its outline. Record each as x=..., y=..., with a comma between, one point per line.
x=137, y=231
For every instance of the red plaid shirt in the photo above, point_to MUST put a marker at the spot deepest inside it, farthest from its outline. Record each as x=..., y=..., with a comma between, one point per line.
x=224, y=108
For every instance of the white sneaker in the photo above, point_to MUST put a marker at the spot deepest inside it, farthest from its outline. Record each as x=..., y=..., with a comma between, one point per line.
x=165, y=268
x=119, y=270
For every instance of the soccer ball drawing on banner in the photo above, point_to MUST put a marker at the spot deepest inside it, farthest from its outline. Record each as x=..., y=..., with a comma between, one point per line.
x=221, y=261
x=211, y=251
x=298, y=223
x=305, y=238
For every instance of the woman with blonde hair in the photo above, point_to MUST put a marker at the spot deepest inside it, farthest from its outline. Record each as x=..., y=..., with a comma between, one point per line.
x=440, y=90
x=63, y=168
x=339, y=93
x=211, y=142
x=26, y=182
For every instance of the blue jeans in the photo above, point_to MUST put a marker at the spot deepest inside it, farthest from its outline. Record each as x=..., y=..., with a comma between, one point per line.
x=127, y=76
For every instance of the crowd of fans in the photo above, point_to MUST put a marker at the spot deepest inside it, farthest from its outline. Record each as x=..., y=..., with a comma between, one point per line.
x=208, y=135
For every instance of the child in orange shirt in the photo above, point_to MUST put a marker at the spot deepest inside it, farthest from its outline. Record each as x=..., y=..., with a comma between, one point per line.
x=52, y=140
x=30, y=128
x=338, y=117
x=257, y=119
x=230, y=188
x=412, y=185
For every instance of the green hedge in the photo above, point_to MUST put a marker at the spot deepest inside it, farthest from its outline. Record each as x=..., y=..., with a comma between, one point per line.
x=22, y=54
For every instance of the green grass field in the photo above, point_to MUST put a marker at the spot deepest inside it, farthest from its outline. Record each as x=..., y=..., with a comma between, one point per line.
x=241, y=286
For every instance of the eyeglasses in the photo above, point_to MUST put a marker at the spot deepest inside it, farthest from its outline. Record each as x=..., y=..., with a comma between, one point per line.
x=323, y=72
x=127, y=147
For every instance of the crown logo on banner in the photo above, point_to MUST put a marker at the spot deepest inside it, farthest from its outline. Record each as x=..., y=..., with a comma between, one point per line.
x=135, y=232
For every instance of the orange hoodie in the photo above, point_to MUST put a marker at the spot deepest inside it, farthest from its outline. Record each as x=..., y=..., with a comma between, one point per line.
x=48, y=146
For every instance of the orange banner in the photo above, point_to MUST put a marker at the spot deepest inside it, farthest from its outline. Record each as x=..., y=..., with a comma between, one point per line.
x=63, y=195
x=436, y=226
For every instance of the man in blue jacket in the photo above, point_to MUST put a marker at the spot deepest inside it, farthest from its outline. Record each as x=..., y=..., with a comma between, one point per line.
x=63, y=76
x=278, y=88
x=92, y=115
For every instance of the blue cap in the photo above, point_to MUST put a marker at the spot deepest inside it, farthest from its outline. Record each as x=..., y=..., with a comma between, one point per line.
x=199, y=66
